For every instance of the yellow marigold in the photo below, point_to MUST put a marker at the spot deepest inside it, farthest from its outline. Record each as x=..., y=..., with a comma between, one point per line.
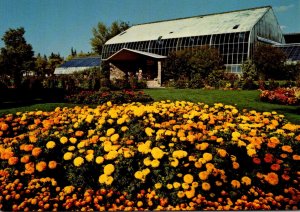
x=68, y=189
x=81, y=145
x=198, y=164
x=128, y=154
x=71, y=148
x=144, y=148
x=155, y=163
x=68, y=156
x=287, y=148
x=124, y=128
x=147, y=161
x=176, y=185
x=180, y=194
x=89, y=157
x=190, y=193
x=78, y=161
x=235, y=184
x=157, y=185
x=169, y=186
x=25, y=159
x=41, y=166
x=246, y=180
x=203, y=175
x=109, y=169
x=99, y=160
x=114, y=137
x=157, y=153
x=109, y=180
x=205, y=186
x=271, y=178
x=89, y=118
x=52, y=164
x=235, y=136
x=110, y=131
x=146, y=171
x=112, y=155
x=139, y=175
x=73, y=140
x=195, y=184
x=102, y=178
x=251, y=152
x=179, y=154
x=185, y=186
x=202, y=146
x=174, y=162
x=188, y=178
x=50, y=144
x=222, y=153
x=207, y=156
x=149, y=131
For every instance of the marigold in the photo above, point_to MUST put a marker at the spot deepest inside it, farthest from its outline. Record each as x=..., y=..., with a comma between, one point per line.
x=155, y=163
x=207, y=156
x=176, y=185
x=89, y=157
x=78, y=161
x=222, y=153
x=188, y=178
x=296, y=157
x=203, y=175
x=114, y=137
x=198, y=164
x=109, y=180
x=285, y=177
x=235, y=184
x=268, y=158
x=63, y=140
x=99, y=160
x=13, y=160
x=79, y=133
x=179, y=154
x=271, y=178
x=28, y=148
x=112, y=155
x=287, y=148
x=41, y=166
x=52, y=164
x=36, y=151
x=68, y=156
x=169, y=186
x=102, y=178
x=180, y=194
x=157, y=153
x=157, y=185
x=190, y=193
x=275, y=167
x=256, y=161
x=235, y=165
x=205, y=186
x=29, y=168
x=73, y=140
x=246, y=180
x=50, y=144
x=174, y=162
x=109, y=169
x=139, y=175
x=25, y=159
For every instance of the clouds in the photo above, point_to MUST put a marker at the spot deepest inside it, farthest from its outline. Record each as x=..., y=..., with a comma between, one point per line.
x=283, y=8
x=283, y=27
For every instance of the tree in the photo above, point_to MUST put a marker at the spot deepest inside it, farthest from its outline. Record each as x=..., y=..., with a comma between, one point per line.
x=269, y=61
x=102, y=33
x=54, y=61
x=41, y=65
x=17, y=55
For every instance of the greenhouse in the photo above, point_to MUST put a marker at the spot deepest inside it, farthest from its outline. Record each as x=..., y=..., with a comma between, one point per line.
x=234, y=34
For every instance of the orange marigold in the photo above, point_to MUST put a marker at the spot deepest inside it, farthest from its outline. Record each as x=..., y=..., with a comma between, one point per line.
x=25, y=159
x=235, y=184
x=275, y=167
x=256, y=161
x=285, y=177
x=36, y=151
x=287, y=148
x=13, y=160
x=52, y=164
x=272, y=178
x=235, y=165
x=246, y=180
x=296, y=157
x=6, y=154
x=29, y=168
x=79, y=133
x=268, y=158
x=206, y=186
x=28, y=147
x=41, y=166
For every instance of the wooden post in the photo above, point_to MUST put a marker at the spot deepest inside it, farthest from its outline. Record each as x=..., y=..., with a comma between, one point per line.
x=159, y=72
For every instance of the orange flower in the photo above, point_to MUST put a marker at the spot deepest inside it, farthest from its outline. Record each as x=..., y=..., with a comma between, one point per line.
x=29, y=168
x=28, y=147
x=285, y=177
x=275, y=167
x=206, y=186
x=235, y=183
x=246, y=180
x=287, y=148
x=272, y=178
x=6, y=154
x=268, y=158
x=273, y=142
x=33, y=138
x=256, y=161
x=25, y=159
x=52, y=164
x=283, y=155
x=36, y=151
x=79, y=133
x=296, y=157
x=13, y=160
x=41, y=166
x=235, y=165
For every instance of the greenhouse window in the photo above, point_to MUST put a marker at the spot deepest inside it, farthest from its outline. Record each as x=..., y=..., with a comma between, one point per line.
x=236, y=26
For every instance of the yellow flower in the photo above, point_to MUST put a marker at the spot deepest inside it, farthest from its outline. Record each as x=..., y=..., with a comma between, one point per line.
x=68, y=189
x=188, y=178
x=144, y=148
x=157, y=185
x=235, y=136
x=155, y=163
x=68, y=156
x=112, y=155
x=109, y=169
x=146, y=171
x=89, y=118
x=89, y=157
x=190, y=193
x=99, y=160
x=206, y=186
x=102, y=178
x=246, y=180
x=147, y=161
x=174, y=162
x=114, y=137
x=109, y=180
x=41, y=166
x=50, y=144
x=179, y=154
x=73, y=140
x=149, y=131
x=203, y=175
x=176, y=185
x=139, y=175
x=235, y=184
x=110, y=131
x=185, y=186
x=251, y=152
x=71, y=148
x=78, y=161
x=169, y=186
x=81, y=145
x=222, y=153
x=157, y=153
x=124, y=128
x=180, y=194
x=207, y=156
x=195, y=184
x=63, y=140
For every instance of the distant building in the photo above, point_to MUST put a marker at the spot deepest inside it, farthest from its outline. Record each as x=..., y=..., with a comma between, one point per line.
x=235, y=34
x=77, y=65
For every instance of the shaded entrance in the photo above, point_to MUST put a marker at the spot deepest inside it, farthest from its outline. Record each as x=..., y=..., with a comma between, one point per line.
x=132, y=61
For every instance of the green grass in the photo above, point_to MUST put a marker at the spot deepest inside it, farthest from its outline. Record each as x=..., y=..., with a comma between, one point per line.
x=240, y=99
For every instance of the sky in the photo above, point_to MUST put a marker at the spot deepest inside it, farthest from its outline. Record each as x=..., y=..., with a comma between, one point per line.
x=59, y=25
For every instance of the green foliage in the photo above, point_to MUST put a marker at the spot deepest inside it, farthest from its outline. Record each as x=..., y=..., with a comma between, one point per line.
x=196, y=81
x=249, y=76
x=41, y=65
x=54, y=61
x=102, y=33
x=216, y=79
x=16, y=56
x=269, y=61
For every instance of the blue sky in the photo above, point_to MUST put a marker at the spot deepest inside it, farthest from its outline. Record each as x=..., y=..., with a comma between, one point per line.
x=58, y=25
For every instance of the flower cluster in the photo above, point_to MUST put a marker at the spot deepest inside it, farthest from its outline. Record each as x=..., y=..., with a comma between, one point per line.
x=286, y=96
x=159, y=156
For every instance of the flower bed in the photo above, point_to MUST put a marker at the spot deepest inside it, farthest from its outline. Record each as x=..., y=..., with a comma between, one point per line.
x=118, y=97
x=164, y=156
x=286, y=96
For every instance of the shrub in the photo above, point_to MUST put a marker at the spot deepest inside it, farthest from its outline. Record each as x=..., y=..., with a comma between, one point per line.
x=182, y=83
x=196, y=81
x=286, y=96
x=216, y=79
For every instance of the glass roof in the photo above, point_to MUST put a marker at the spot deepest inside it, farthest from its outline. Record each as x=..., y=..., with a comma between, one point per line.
x=82, y=62
x=292, y=51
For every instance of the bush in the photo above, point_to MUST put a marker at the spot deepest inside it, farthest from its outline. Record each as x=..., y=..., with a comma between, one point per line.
x=216, y=79
x=182, y=83
x=196, y=82
x=286, y=96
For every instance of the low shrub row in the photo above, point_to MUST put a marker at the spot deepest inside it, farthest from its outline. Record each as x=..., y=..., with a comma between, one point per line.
x=288, y=96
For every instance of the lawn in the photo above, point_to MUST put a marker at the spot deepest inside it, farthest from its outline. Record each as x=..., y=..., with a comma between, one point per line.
x=240, y=99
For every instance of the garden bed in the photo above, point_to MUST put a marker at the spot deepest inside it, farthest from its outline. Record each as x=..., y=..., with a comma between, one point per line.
x=165, y=155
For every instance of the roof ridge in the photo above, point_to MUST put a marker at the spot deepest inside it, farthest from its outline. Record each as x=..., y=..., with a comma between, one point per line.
x=268, y=6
